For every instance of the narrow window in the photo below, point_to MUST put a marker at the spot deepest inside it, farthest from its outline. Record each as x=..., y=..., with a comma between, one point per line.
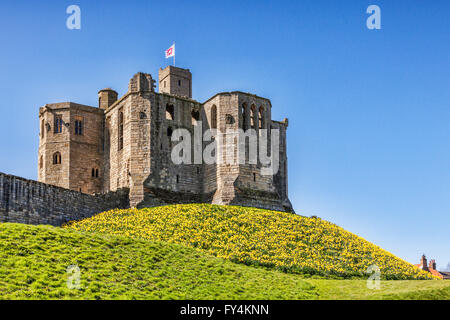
x=261, y=117
x=170, y=114
x=179, y=83
x=79, y=126
x=42, y=128
x=120, y=129
x=58, y=124
x=254, y=176
x=57, y=158
x=169, y=132
x=178, y=179
x=93, y=173
x=41, y=162
x=214, y=117
x=252, y=116
x=96, y=173
x=198, y=170
x=244, y=117
x=164, y=84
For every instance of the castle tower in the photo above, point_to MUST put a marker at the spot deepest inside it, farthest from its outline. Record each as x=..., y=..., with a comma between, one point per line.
x=70, y=146
x=175, y=81
x=106, y=97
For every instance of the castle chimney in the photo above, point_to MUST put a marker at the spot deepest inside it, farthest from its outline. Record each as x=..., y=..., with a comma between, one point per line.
x=423, y=261
x=106, y=98
x=432, y=264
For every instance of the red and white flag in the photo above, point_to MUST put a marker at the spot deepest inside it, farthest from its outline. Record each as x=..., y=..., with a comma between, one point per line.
x=170, y=52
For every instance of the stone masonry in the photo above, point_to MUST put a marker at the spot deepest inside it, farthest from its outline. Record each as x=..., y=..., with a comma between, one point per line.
x=32, y=202
x=125, y=144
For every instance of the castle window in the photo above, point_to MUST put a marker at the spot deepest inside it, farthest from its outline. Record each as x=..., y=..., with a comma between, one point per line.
x=252, y=116
x=79, y=126
x=41, y=162
x=214, y=117
x=254, y=177
x=198, y=170
x=244, y=117
x=169, y=132
x=179, y=83
x=164, y=84
x=178, y=179
x=57, y=158
x=261, y=117
x=195, y=117
x=93, y=173
x=42, y=128
x=58, y=124
x=96, y=173
x=170, y=114
x=120, y=129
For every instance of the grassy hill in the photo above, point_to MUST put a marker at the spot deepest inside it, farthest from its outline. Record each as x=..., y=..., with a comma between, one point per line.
x=257, y=237
x=34, y=260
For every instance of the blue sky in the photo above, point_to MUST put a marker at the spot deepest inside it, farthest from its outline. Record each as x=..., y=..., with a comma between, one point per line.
x=369, y=112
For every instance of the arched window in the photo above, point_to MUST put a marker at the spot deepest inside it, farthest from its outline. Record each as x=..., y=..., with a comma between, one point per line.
x=58, y=124
x=57, y=158
x=195, y=117
x=120, y=129
x=170, y=114
x=214, y=117
x=252, y=116
x=79, y=126
x=244, y=117
x=261, y=117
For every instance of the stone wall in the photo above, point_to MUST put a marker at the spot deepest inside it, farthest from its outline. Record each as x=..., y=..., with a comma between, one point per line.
x=32, y=202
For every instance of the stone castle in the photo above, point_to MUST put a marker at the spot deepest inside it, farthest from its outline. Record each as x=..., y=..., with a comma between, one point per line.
x=125, y=143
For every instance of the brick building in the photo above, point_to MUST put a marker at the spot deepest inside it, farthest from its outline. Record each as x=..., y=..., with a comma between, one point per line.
x=127, y=142
x=431, y=267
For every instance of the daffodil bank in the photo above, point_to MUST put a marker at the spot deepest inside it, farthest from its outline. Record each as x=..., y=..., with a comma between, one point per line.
x=279, y=240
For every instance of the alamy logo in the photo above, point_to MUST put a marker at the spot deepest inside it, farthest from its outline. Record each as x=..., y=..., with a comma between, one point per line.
x=373, y=283
x=73, y=277
x=374, y=21
x=231, y=147
x=74, y=20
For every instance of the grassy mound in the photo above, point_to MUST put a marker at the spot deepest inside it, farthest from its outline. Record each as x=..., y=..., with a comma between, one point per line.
x=252, y=236
x=34, y=262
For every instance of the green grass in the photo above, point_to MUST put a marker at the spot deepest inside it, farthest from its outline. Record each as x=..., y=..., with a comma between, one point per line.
x=34, y=259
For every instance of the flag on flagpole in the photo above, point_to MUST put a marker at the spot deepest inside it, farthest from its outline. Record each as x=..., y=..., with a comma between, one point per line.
x=171, y=51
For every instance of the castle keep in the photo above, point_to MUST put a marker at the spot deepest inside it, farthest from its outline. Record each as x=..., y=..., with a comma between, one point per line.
x=125, y=143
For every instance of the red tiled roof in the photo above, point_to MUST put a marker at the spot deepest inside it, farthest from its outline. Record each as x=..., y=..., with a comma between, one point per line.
x=436, y=273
